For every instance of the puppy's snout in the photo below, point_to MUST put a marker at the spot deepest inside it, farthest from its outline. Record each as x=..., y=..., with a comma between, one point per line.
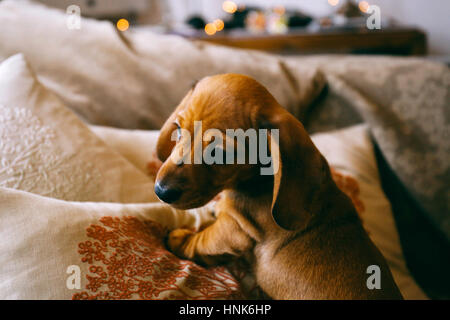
x=168, y=195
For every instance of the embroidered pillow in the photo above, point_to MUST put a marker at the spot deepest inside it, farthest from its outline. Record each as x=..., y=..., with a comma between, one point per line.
x=54, y=249
x=45, y=149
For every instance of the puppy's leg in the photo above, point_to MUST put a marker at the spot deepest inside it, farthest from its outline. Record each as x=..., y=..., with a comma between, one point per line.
x=222, y=238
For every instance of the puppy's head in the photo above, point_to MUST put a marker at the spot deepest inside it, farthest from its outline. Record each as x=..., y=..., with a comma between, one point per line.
x=198, y=128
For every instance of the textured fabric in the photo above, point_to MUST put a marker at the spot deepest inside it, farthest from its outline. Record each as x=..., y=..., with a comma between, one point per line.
x=45, y=149
x=117, y=251
x=406, y=104
x=134, y=79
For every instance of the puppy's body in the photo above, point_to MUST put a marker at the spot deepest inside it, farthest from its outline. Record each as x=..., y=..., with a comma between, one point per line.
x=326, y=260
x=321, y=250
x=309, y=265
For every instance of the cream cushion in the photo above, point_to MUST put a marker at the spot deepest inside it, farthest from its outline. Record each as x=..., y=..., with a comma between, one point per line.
x=45, y=149
x=54, y=249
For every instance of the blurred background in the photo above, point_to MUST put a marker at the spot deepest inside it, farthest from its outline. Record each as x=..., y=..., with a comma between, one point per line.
x=408, y=27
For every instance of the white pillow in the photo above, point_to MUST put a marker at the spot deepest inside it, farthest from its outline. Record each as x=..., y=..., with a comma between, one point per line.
x=45, y=149
x=135, y=79
x=350, y=154
x=115, y=251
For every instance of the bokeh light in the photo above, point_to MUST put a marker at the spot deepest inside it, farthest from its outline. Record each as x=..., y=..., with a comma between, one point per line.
x=210, y=29
x=219, y=24
x=280, y=10
x=123, y=24
x=229, y=6
x=364, y=6
x=333, y=2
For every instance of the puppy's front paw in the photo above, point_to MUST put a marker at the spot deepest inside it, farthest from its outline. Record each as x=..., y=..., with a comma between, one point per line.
x=177, y=240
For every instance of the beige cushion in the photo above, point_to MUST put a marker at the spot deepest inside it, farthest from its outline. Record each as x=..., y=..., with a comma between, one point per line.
x=115, y=251
x=45, y=149
x=135, y=79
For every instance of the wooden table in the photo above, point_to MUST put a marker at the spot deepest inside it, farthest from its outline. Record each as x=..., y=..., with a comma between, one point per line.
x=394, y=41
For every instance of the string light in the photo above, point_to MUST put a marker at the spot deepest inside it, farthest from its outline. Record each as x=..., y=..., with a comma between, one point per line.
x=333, y=2
x=219, y=24
x=123, y=24
x=363, y=6
x=210, y=29
x=229, y=6
x=280, y=10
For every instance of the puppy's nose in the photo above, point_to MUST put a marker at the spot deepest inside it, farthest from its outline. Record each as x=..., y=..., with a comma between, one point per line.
x=168, y=195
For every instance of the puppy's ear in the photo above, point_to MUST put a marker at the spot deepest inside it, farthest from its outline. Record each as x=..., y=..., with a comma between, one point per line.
x=288, y=201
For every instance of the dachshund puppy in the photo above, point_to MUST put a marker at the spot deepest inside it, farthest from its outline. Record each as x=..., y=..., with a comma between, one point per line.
x=305, y=235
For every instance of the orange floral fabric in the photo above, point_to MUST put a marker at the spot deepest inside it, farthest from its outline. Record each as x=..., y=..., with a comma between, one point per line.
x=127, y=259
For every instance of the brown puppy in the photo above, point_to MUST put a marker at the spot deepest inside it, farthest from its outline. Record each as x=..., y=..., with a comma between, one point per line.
x=307, y=240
